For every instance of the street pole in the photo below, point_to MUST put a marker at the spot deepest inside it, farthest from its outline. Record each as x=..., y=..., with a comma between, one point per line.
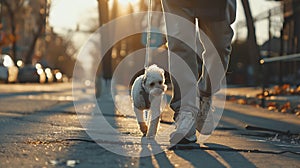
x=107, y=59
x=270, y=33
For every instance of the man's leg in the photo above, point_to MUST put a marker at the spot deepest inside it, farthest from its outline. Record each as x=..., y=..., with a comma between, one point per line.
x=184, y=70
x=215, y=64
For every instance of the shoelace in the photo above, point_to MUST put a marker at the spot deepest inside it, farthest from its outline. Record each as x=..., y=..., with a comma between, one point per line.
x=205, y=106
x=181, y=118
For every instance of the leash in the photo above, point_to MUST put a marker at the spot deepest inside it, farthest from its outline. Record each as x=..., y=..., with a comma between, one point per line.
x=148, y=44
x=197, y=35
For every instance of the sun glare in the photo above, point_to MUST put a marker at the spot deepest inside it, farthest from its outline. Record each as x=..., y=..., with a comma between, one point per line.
x=126, y=2
x=68, y=13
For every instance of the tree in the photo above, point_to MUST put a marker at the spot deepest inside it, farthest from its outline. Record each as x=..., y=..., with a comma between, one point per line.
x=26, y=20
x=253, y=48
x=40, y=16
x=12, y=7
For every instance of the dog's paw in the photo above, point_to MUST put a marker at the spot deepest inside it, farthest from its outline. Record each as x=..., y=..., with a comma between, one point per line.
x=143, y=127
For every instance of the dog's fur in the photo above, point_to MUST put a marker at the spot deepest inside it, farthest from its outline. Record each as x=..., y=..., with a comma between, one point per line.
x=146, y=94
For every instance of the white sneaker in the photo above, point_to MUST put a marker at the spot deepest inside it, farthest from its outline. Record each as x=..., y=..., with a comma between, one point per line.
x=185, y=129
x=204, y=120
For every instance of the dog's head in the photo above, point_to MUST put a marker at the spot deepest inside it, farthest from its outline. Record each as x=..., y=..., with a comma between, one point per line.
x=154, y=80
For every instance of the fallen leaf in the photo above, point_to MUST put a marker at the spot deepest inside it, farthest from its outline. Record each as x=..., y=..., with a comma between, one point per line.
x=53, y=162
x=272, y=108
x=241, y=101
x=72, y=163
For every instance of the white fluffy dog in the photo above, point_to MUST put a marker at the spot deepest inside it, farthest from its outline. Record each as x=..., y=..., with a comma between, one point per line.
x=146, y=94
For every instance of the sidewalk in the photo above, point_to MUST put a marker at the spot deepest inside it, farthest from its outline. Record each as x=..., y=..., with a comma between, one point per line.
x=285, y=102
x=231, y=145
x=52, y=134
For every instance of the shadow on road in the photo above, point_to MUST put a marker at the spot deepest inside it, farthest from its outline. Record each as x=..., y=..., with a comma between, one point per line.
x=147, y=150
x=212, y=158
x=240, y=120
x=231, y=157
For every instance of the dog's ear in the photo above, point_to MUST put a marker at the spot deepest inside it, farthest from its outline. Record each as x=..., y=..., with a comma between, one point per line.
x=162, y=71
x=144, y=80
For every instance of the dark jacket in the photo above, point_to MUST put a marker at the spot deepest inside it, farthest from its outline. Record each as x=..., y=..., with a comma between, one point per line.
x=214, y=10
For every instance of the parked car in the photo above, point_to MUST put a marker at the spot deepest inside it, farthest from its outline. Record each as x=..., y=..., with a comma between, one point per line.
x=31, y=74
x=49, y=75
x=8, y=69
x=3, y=73
x=58, y=76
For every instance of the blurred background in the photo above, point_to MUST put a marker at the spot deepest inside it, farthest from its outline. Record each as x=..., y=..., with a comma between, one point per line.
x=40, y=39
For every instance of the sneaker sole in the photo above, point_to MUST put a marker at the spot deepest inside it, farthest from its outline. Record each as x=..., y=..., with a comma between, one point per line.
x=178, y=138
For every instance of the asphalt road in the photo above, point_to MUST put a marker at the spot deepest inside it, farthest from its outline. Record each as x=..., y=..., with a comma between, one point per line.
x=39, y=127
